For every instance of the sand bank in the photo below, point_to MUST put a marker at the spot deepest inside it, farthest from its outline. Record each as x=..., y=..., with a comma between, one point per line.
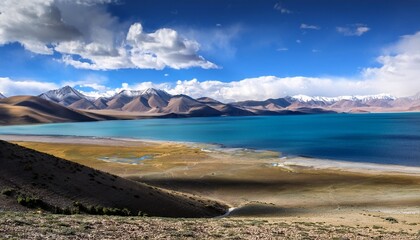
x=290, y=163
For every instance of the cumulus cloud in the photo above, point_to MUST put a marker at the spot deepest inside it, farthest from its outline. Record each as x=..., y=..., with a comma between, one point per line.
x=93, y=38
x=265, y=87
x=353, y=30
x=397, y=75
x=307, y=26
x=11, y=87
x=35, y=24
x=400, y=67
x=165, y=47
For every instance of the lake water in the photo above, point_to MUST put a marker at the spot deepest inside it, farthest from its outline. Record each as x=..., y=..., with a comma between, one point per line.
x=390, y=138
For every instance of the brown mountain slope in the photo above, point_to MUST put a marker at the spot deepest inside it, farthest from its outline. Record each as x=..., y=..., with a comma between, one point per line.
x=225, y=109
x=83, y=104
x=59, y=183
x=100, y=103
x=156, y=101
x=347, y=104
x=182, y=104
x=118, y=102
x=188, y=106
x=28, y=109
x=138, y=104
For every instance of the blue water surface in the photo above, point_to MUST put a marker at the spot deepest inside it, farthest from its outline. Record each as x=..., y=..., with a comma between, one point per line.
x=388, y=138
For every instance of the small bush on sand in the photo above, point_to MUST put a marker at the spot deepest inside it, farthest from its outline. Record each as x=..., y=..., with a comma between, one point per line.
x=391, y=220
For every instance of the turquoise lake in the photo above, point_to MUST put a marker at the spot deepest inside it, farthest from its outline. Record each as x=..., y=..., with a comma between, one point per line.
x=389, y=138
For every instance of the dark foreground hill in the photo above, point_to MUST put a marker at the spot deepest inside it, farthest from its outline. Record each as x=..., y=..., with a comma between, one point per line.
x=31, y=179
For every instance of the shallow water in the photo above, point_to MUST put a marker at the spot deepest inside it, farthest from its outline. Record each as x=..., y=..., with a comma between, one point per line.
x=129, y=160
x=388, y=138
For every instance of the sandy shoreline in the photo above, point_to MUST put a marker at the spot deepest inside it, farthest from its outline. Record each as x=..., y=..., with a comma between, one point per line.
x=256, y=184
x=283, y=162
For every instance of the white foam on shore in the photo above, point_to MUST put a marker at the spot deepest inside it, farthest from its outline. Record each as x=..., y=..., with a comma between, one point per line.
x=347, y=166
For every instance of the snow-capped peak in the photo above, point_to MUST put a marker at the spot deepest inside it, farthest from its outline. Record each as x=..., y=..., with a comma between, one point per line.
x=60, y=94
x=154, y=91
x=363, y=98
x=131, y=93
x=415, y=97
x=149, y=91
x=2, y=96
x=66, y=95
x=302, y=98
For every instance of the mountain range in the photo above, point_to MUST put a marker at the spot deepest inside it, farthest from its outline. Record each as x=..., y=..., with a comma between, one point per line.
x=68, y=104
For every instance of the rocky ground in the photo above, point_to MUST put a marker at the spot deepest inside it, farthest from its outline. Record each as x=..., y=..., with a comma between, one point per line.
x=47, y=226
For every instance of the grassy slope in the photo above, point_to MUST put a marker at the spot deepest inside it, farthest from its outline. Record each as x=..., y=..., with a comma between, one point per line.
x=59, y=182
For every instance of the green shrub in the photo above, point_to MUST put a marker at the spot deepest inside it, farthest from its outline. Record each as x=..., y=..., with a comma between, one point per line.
x=29, y=202
x=8, y=191
x=126, y=212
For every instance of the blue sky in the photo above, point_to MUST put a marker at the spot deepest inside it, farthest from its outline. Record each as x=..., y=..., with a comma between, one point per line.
x=226, y=49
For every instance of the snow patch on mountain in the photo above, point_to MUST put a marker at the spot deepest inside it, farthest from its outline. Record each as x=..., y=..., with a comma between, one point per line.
x=58, y=95
x=149, y=91
x=362, y=98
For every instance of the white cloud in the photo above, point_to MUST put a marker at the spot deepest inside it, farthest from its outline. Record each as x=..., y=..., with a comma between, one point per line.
x=282, y=49
x=400, y=67
x=93, y=38
x=165, y=47
x=90, y=2
x=312, y=27
x=92, y=81
x=10, y=87
x=156, y=50
x=353, y=30
x=398, y=74
x=278, y=6
x=265, y=87
x=35, y=24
